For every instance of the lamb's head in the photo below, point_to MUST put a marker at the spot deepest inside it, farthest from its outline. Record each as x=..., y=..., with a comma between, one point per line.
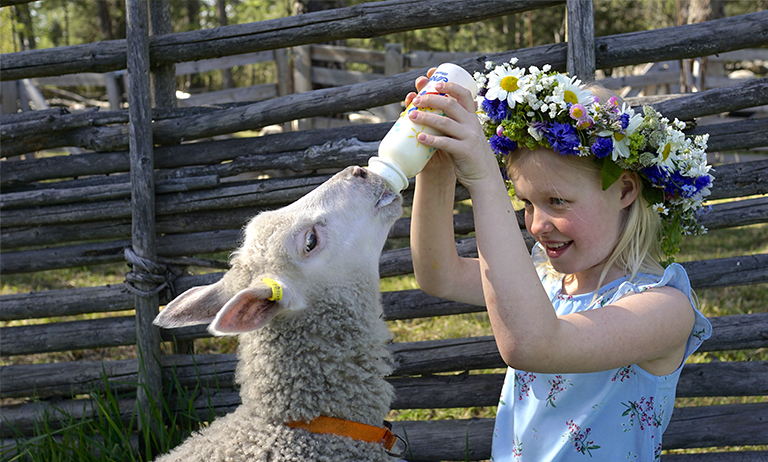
x=335, y=233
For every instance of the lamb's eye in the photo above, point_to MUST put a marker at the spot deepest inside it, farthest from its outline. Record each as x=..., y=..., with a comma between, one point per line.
x=310, y=242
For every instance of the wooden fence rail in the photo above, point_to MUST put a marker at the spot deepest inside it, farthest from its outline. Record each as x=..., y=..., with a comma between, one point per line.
x=75, y=210
x=672, y=43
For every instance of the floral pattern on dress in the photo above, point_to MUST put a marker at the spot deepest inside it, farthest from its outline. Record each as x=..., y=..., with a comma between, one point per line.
x=580, y=439
x=517, y=449
x=643, y=412
x=557, y=385
x=523, y=380
x=623, y=373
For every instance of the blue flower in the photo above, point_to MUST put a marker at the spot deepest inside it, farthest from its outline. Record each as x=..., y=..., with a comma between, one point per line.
x=704, y=181
x=502, y=145
x=602, y=147
x=496, y=109
x=624, y=120
x=656, y=175
x=563, y=139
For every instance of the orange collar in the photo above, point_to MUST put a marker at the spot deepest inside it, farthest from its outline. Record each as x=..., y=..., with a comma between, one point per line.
x=354, y=430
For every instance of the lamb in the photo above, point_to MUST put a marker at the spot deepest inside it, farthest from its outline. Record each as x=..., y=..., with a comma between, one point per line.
x=317, y=348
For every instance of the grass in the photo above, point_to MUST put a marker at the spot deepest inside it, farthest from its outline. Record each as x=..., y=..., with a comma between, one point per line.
x=59, y=436
x=111, y=438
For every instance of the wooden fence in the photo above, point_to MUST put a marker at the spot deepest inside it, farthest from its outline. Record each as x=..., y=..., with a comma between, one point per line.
x=190, y=203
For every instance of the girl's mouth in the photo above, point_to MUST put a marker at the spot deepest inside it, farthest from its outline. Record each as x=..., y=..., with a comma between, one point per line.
x=555, y=250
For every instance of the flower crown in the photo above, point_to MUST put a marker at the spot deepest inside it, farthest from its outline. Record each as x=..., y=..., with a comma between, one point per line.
x=552, y=110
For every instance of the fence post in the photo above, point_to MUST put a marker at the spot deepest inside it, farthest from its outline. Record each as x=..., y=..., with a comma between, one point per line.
x=393, y=64
x=284, y=78
x=581, y=39
x=164, y=76
x=302, y=78
x=143, y=212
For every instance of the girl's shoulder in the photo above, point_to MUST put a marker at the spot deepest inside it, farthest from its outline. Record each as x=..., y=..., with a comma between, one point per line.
x=676, y=277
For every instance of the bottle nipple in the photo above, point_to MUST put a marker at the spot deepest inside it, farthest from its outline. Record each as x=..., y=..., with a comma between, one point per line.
x=390, y=171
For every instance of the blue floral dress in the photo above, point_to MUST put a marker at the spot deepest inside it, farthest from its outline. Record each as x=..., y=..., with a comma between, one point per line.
x=614, y=415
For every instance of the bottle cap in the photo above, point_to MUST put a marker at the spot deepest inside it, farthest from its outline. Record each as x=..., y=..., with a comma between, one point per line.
x=391, y=173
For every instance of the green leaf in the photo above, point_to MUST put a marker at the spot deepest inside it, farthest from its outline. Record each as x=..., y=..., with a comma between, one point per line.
x=653, y=195
x=611, y=173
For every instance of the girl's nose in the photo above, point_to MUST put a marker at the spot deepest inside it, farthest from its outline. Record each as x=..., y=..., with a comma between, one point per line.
x=538, y=222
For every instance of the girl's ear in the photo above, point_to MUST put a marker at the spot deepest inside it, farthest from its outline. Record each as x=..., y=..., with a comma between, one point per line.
x=630, y=188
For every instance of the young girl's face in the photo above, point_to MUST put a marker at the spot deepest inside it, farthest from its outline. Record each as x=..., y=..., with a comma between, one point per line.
x=566, y=210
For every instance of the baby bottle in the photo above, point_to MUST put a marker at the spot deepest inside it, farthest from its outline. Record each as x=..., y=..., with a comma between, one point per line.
x=401, y=155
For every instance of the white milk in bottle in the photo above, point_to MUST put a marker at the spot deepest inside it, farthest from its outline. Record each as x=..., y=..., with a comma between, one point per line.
x=401, y=155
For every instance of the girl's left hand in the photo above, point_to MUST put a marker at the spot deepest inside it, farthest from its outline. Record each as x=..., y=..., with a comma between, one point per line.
x=464, y=139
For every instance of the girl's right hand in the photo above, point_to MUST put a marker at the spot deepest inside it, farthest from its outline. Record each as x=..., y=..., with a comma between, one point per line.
x=440, y=166
x=463, y=139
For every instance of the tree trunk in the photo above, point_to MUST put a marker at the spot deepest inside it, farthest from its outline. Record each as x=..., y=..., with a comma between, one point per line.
x=195, y=81
x=221, y=12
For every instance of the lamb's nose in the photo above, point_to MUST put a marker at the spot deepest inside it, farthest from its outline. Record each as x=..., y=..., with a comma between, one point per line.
x=360, y=171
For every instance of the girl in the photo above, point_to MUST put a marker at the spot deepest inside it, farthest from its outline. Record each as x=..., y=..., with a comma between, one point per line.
x=596, y=375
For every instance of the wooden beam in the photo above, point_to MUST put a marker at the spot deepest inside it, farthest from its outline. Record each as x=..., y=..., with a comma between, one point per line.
x=150, y=382
x=581, y=39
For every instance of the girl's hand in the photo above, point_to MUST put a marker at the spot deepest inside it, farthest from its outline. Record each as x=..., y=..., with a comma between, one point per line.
x=421, y=82
x=464, y=140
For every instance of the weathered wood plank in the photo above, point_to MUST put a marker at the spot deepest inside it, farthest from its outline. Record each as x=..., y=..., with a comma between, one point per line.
x=362, y=21
x=415, y=358
x=425, y=392
x=231, y=95
x=740, y=179
x=40, y=197
x=264, y=149
x=743, y=456
x=400, y=305
x=310, y=143
x=745, y=134
x=581, y=39
x=360, y=96
x=112, y=252
x=711, y=426
x=381, y=92
x=749, y=94
x=737, y=213
x=470, y=439
x=731, y=214
x=270, y=192
x=226, y=62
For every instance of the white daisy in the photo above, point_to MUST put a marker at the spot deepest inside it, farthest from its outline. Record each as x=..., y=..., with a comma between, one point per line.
x=660, y=209
x=573, y=92
x=621, y=140
x=508, y=84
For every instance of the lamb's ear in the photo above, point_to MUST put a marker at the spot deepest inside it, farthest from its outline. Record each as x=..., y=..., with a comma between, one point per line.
x=198, y=305
x=249, y=310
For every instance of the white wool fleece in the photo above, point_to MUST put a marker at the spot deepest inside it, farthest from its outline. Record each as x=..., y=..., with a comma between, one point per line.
x=317, y=350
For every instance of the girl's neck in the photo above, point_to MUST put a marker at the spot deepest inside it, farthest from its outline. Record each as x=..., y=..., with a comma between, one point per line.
x=587, y=282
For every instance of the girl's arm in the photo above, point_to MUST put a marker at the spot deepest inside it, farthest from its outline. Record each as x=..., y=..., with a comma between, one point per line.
x=650, y=329
x=437, y=266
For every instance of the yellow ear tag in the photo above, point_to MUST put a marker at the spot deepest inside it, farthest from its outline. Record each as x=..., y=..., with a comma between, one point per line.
x=277, y=290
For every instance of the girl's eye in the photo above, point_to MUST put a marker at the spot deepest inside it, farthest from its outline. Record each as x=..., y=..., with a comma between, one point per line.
x=310, y=242
x=558, y=201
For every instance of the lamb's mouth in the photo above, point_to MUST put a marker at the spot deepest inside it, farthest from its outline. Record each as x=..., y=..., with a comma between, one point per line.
x=387, y=197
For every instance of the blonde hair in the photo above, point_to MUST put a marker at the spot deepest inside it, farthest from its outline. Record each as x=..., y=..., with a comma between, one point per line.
x=637, y=249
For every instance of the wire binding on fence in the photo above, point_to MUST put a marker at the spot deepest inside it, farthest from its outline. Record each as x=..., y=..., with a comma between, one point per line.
x=148, y=272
